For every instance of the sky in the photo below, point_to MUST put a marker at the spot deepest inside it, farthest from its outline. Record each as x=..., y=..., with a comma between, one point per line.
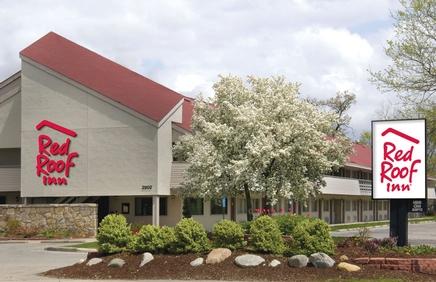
x=327, y=46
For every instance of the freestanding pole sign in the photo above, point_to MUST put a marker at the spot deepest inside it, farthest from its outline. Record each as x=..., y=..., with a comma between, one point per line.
x=399, y=169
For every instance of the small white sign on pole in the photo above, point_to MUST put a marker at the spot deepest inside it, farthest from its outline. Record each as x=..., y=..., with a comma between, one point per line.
x=398, y=159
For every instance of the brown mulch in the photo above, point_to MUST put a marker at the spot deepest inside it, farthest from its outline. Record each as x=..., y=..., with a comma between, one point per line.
x=169, y=267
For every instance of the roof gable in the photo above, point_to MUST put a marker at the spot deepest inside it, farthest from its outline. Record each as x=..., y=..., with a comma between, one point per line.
x=102, y=75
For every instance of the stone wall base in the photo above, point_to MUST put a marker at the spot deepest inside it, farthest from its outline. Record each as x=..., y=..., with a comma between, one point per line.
x=80, y=219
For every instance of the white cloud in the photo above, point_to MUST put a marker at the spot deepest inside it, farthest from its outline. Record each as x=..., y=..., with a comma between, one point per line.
x=325, y=45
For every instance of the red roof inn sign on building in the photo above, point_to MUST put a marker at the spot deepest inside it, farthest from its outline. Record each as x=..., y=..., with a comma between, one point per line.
x=399, y=159
x=54, y=160
x=399, y=170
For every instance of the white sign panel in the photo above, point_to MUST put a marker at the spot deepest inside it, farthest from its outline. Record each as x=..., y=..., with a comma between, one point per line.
x=398, y=159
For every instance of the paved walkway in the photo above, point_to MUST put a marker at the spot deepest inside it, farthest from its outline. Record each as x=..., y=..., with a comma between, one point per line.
x=419, y=233
x=23, y=262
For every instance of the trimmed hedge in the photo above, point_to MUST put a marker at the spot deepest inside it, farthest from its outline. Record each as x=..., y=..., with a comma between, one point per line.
x=154, y=239
x=266, y=236
x=114, y=234
x=191, y=237
x=228, y=234
x=310, y=236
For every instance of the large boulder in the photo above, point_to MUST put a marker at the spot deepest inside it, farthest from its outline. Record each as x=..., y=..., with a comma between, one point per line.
x=94, y=261
x=249, y=260
x=348, y=267
x=321, y=260
x=197, y=262
x=116, y=262
x=146, y=258
x=298, y=261
x=218, y=255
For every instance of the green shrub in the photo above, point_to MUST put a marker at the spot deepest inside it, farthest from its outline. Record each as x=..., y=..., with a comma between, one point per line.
x=245, y=226
x=154, y=239
x=311, y=236
x=190, y=237
x=287, y=223
x=266, y=236
x=113, y=234
x=228, y=234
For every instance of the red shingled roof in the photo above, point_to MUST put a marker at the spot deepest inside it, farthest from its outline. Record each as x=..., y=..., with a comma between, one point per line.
x=187, y=112
x=102, y=75
x=361, y=155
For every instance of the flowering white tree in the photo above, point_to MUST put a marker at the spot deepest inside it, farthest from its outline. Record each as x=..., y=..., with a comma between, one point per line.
x=259, y=136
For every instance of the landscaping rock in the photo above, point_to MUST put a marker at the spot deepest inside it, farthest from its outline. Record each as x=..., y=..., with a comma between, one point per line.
x=343, y=258
x=321, y=260
x=116, y=262
x=218, y=255
x=94, y=261
x=274, y=263
x=146, y=258
x=81, y=261
x=345, y=266
x=249, y=260
x=298, y=261
x=197, y=262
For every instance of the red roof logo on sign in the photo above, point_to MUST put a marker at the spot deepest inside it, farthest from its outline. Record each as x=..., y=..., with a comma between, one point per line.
x=54, y=171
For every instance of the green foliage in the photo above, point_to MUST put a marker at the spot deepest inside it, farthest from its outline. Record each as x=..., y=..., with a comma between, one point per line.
x=153, y=239
x=190, y=237
x=411, y=250
x=12, y=226
x=114, y=234
x=287, y=223
x=245, y=226
x=228, y=234
x=311, y=236
x=266, y=236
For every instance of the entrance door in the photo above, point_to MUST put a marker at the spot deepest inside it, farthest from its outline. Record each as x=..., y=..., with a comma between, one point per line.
x=103, y=207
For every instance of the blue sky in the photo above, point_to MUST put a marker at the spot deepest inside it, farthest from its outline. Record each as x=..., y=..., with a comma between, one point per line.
x=327, y=46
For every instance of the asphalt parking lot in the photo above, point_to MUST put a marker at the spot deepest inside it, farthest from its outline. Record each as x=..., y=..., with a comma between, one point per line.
x=419, y=233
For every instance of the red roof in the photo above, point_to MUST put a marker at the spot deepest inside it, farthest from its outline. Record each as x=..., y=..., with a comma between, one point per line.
x=102, y=75
x=361, y=155
x=187, y=112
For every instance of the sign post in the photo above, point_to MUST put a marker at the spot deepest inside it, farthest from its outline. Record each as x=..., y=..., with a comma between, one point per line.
x=399, y=170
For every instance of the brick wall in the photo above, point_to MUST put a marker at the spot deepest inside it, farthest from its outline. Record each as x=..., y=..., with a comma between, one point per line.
x=423, y=265
x=80, y=219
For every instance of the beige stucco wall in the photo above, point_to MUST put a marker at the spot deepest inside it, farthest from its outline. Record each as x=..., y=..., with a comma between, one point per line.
x=10, y=121
x=118, y=152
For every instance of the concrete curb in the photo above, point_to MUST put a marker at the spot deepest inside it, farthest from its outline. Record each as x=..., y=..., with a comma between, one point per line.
x=70, y=249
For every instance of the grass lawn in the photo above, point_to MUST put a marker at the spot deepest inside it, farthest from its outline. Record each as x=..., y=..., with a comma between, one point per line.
x=89, y=245
x=377, y=223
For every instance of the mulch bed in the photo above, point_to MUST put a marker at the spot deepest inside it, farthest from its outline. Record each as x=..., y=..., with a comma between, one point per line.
x=169, y=267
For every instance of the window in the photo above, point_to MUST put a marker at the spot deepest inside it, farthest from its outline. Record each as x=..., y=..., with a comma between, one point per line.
x=370, y=205
x=304, y=206
x=144, y=206
x=216, y=206
x=314, y=204
x=242, y=205
x=194, y=206
x=347, y=205
x=326, y=205
x=385, y=205
x=365, y=205
x=354, y=205
x=2, y=200
x=379, y=205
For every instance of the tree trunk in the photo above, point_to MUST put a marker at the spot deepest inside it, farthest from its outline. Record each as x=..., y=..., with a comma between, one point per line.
x=248, y=203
